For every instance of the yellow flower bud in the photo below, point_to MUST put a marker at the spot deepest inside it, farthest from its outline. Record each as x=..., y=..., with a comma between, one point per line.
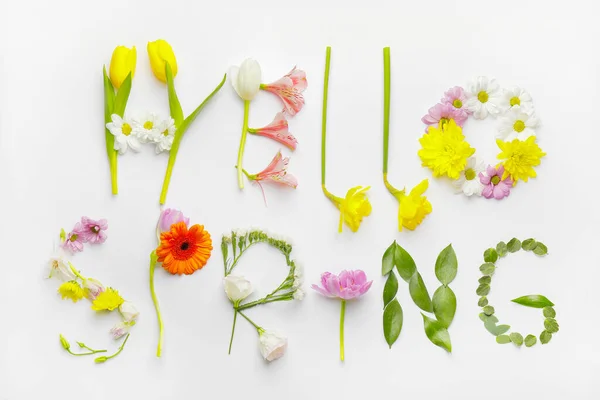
x=160, y=53
x=121, y=64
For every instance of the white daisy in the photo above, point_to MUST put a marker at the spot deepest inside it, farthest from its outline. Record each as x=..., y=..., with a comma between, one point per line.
x=517, y=124
x=516, y=97
x=483, y=97
x=166, y=134
x=125, y=137
x=147, y=128
x=468, y=181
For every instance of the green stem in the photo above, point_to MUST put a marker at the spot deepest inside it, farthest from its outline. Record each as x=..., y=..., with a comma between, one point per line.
x=86, y=354
x=265, y=300
x=106, y=358
x=243, y=144
x=109, y=101
x=77, y=274
x=324, y=116
x=258, y=328
x=342, y=315
x=153, y=261
x=113, y=174
x=386, y=108
x=235, y=313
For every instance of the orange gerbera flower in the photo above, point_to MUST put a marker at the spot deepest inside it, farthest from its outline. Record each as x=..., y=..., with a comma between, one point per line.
x=183, y=250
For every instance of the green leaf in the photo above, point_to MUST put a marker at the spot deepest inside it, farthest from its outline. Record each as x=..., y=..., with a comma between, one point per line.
x=514, y=245
x=444, y=305
x=387, y=261
x=516, y=338
x=174, y=105
x=549, y=312
x=404, y=263
x=502, y=339
x=437, y=333
x=483, y=301
x=530, y=340
x=540, y=249
x=483, y=289
x=529, y=244
x=446, y=265
x=490, y=255
x=390, y=289
x=501, y=249
x=533, y=300
x=545, y=337
x=485, y=279
x=392, y=322
x=487, y=269
x=496, y=329
x=122, y=97
x=488, y=310
x=551, y=325
x=419, y=293
x=488, y=318
x=109, y=103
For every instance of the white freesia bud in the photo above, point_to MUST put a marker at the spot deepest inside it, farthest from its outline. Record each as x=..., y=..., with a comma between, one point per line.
x=92, y=288
x=237, y=288
x=129, y=311
x=59, y=268
x=272, y=344
x=121, y=329
x=245, y=79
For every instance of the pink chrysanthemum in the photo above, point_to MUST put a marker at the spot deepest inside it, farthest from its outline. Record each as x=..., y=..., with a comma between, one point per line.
x=457, y=98
x=74, y=241
x=444, y=113
x=93, y=231
x=495, y=186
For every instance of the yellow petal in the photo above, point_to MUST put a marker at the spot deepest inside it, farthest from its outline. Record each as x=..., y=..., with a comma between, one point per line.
x=160, y=53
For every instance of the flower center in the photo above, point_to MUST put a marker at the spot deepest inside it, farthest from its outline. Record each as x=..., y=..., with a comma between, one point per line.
x=444, y=121
x=166, y=132
x=184, y=246
x=496, y=180
x=126, y=129
x=515, y=101
x=73, y=237
x=95, y=229
x=470, y=174
x=519, y=126
x=483, y=96
x=54, y=264
x=457, y=103
x=148, y=125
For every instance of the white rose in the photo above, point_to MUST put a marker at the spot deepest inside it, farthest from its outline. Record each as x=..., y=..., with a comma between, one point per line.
x=272, y=345
x=246, y=78
x=128, y=311
x=237, y=288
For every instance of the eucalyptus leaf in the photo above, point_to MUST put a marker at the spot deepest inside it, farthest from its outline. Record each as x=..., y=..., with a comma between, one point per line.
x=490, y=255
x=419, y=293
x=551, y=325
x=446, y=265
x=549, y=312
x=516, y=338
x=387, y=261
x=496, y=329
x=392, y=322
x=529, y=244
x=437, y=333
x=502, y=339
x=390, y=289
x=540, y=249
x=404, y=263
x=444, y=305
x=485, y=279
x=483, y=289
x=501, y=249
x=487, y=269
x=545, y=337
x=514, y=245
x=488, y=318
x=483, y=301
x=488, y=310
x=530, y=340
x=533, y=300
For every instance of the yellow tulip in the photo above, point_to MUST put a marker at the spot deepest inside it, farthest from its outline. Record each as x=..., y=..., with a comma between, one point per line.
x=160, y=53
x=121, y=64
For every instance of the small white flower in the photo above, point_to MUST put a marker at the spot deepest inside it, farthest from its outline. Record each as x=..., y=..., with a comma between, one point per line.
x=240, y=232
x=237, y=288
x=147, y=128
x=483, y=97
x=517, y=124
x=272, y=344
x=298, y=276
x=516, y=97
x=121, y=329
x=468, y=182
x=129, y=312
x=92, y=288
x=166, y=135
x=125, y=137
x=299, y=294
x=246, y=78
x=59, y=268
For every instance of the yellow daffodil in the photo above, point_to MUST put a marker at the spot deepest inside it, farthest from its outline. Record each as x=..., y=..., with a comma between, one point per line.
x=107, y=300
x=519, y=158
x=413, y=207
x=122, y=63
x=353, y=208
x=71, y=290
x=160, y=53
x=445, y=150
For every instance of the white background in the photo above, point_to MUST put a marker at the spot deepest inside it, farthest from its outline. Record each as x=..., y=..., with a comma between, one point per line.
x=54, y=170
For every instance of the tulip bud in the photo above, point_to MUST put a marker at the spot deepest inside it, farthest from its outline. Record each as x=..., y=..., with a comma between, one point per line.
x=122, y=64
x=92, y=288
x=65, y=343
x=128, y=311
x=160, y=52
x=169, y=217
x=237, y=288
x=245, y=79
x=272, y=344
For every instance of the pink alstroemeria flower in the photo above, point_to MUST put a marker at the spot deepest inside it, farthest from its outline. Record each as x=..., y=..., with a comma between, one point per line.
x=74, y=241
x=93, y=231
x=444, y=113
x=278, y=131
x=457, y=98
x=495, y=186
x=289, y=89
x=276, y=172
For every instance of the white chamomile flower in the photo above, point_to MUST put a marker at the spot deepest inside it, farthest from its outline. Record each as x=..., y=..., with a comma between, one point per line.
x=122, y=129
x=483, y=97
x=516, y=97
x=147, y=128
x=517, y=124
x=166, y=135
x=468, y=182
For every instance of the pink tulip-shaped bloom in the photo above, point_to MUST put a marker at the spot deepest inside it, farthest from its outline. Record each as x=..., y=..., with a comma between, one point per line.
x=494, y=185
x=278, y=131
x=289, y=89
x=276, y=172
x=170, y=216
x=444, y=113
x=347, y=285
x=74, y=241
x=93, y=231
x=457, y=98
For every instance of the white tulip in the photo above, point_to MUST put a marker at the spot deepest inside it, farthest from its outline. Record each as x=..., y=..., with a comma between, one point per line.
x=60, y=268
x=272, y=344
x=237, y=288
x=128, y=311
x=246, y=78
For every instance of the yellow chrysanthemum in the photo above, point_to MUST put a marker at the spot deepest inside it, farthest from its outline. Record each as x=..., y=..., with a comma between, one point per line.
x=445, y=150
x=71, y=290
x=413, y=207
x=519, y=158
x=107, y=300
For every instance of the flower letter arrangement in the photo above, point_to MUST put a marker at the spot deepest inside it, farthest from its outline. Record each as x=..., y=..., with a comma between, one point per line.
x=442, y=305
x=490, y=322
x=75, y=286
x=246, y=81
x=123, y=132
x=413, y=207
x=182, y=249
x=446, y=152
x=355, y=206
x=272, y=344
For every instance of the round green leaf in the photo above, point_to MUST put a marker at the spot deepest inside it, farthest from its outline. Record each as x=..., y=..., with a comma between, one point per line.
x=419, y=293
x=496, y=329
x=501, y=249
x=516, y=338
x=392, y=322
x=387, y=261
x=490, y=255
x=487, y=269
x=444, y=305
x=545, y=337
x=502, y=339
x=485, y=279
x=549, y=312
x=404, y=263
x=437, y=333
x=486, y=318
x=488, y=310
x=533, y=300
x=483, y=289
x=514, y=245
x=483, y=301
x=446, y=265
x=530, y=340
x=540, y=249
x=551, y=325
x=529, y=244
x=390, y=289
